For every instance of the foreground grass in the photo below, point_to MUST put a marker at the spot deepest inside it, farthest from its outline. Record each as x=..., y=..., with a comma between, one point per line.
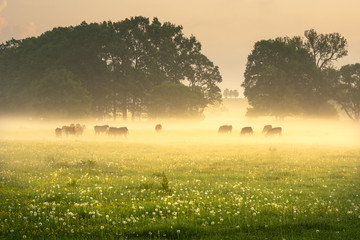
x=117, y=190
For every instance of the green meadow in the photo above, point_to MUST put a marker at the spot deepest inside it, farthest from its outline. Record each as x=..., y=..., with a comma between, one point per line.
x=124, y=189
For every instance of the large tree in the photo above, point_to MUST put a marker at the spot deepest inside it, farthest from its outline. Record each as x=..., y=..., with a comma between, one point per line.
x=282, y=80
x=118, y=63
x=58, y=93
x=286, y=76
x=175, y=100
x=347, y=90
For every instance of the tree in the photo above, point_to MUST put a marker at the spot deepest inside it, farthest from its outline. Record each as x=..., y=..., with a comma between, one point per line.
x=175, y=100
x=226, y=93
x=325, y=48
x=281, y=79
x=347, y=90
x=146, y=54
x=235, y=93
x=118, y=63
x=288, y=76
x=59, y=94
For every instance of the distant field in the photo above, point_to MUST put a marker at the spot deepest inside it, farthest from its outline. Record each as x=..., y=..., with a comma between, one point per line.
x=186, y=183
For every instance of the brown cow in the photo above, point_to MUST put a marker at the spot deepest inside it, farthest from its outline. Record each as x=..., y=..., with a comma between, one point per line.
x=274, y=131
x=101, y=129
x=225, y=129
x=114, y=131
x=69, y=130
x=247, y=130
x=58, y=132
x=158, y=128
x=79, y=130
x=266, y=128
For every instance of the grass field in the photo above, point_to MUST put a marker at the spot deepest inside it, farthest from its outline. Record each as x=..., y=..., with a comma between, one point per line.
x=180, y=184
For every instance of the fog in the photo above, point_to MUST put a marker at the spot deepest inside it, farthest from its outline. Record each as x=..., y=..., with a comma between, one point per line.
x=333, y=132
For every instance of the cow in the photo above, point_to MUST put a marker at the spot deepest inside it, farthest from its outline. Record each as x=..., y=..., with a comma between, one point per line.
x=158, y=128
x=101, y=129
x=225, y=129
x=266, y=128
x=274, y=131
x=79, y=129
x=69, y=130
x=247, y=130
x=58, y=132
x=114, y=131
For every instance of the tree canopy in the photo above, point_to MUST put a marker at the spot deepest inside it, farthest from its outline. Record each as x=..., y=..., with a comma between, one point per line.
x=286, y=76
x=347, y=90
x=113, y=66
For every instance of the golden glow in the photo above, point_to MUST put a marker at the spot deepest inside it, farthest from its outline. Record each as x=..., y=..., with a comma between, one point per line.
x=295, y=131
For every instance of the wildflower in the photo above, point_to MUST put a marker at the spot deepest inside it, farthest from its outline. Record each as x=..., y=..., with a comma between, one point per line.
x=102, y=227
x=178, y=231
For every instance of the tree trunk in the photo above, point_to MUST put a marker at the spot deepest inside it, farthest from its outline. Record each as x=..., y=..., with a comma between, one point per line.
x=133, y=109
x=124, y=109
x=114, y=111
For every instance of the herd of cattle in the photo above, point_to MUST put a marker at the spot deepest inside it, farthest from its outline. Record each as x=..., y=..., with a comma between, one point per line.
x=77, y=130
x=268, y=130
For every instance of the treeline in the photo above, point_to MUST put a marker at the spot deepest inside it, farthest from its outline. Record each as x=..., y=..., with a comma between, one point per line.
x=295, y=77
x=232, y=93
x=108, y=69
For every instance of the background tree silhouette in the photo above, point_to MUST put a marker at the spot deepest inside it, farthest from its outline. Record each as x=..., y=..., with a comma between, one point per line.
x=117, y=64
x=346, y=90
x=286, y=76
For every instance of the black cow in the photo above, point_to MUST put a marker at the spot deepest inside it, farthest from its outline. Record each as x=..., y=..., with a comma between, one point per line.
x=225, y=129
x=266, y=128
x=101, y=129
x=158, y=128
x=114, y=131
x=247, y=130
x=274, y=131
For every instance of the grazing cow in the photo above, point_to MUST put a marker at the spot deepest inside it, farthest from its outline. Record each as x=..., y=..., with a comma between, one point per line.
x=114, y=131
x=274, y=131
x=69, y=130
x=247, y=130
x=266, y=128
x=101, y=129
x=225, y=129
x=79, y=130
x=158, y=128
x=58, y=132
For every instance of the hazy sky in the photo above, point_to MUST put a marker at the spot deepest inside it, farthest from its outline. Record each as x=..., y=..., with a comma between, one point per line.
x=227, y=29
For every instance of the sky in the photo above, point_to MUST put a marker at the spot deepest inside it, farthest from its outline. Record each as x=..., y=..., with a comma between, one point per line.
x=227, y=29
